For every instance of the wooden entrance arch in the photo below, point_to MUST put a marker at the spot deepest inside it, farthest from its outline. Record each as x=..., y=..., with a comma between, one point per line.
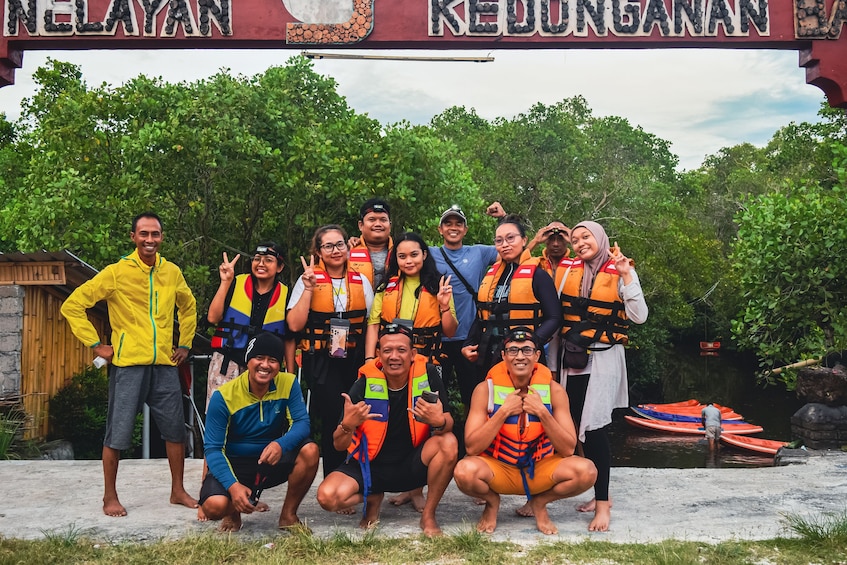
x=810, y=27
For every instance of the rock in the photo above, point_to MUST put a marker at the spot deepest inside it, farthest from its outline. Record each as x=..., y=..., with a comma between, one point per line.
x=823, y=385
x=56, y=450
x=820, y=426
x=787, y=456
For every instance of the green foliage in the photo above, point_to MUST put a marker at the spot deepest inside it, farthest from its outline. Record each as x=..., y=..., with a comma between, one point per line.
x=789, y=259
x=78, y=413
x=826, y=530
x=10, y=424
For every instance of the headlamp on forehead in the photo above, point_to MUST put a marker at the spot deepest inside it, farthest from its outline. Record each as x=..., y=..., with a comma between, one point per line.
x=376, y=208
x=395, y=328
x=265, y=250
x=521, y=334
x=557, y=231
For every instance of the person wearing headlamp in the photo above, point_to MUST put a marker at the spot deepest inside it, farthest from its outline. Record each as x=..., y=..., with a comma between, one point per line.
x=520, y=437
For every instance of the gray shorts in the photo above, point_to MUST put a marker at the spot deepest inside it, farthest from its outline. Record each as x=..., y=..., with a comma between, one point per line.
x=713, y=432
x=129, y=389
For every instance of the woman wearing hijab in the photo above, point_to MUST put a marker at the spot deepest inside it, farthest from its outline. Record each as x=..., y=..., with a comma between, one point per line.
x=601, y=295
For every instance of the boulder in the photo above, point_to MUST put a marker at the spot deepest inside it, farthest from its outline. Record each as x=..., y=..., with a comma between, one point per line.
x=823, y=385
x=56, y=450
x=820, y=426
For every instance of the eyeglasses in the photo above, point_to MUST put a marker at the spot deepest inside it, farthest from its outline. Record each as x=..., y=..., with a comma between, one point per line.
x=526, y=350
x=269, y=259
x=328, y=247
x=510, y=239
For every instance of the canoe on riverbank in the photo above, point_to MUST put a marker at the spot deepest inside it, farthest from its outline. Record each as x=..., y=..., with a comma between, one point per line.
x=687, y=409
x=670, y=417
x=691, y=427
x=760, y=445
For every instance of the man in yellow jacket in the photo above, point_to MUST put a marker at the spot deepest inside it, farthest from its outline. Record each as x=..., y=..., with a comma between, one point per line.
x=141, y=290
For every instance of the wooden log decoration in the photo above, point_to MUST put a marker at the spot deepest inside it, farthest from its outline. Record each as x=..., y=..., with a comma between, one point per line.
x=357, y=28
x=797, y=365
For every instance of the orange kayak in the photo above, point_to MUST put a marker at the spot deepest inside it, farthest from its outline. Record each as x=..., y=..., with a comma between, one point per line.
x=727, y=413
x=691, y=427
x=768, y=446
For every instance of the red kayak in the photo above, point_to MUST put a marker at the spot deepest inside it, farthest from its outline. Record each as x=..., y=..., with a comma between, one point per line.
x=768, y=446
x=691, y=427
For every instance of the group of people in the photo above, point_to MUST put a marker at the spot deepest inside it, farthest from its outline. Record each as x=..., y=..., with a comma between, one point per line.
x=386, y=328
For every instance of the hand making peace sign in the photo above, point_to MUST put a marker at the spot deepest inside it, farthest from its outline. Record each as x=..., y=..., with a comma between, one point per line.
x=445, y=292
x=227, y=268
x=309, y=279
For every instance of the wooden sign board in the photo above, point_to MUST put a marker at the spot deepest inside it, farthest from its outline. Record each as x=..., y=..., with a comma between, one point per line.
x=811, y=27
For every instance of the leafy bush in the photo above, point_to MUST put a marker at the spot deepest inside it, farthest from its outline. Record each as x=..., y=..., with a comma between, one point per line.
x=78, y=413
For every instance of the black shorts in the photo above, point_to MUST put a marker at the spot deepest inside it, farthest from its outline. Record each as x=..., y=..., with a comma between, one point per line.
x=405, y=475
x=246, y=469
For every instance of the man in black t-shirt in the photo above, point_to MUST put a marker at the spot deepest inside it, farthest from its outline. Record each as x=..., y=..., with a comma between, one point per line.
x=397, y=430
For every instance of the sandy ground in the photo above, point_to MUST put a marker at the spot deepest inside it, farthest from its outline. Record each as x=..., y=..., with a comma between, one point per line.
x=43, y=498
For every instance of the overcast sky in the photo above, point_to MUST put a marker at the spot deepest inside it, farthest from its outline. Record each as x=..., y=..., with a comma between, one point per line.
x=700, y=100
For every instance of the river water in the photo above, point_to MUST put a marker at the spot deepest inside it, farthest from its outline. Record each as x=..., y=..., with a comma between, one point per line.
x=727, y=379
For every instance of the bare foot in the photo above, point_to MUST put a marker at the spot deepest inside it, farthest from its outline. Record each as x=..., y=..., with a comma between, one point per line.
x=261, y=507
x=589, y=506
x=201, y=515
x=184, y=498
x=488, y=521
x=113, y=507
x=418, y=500
x=430, y=527
x=349, y=511
x=542, y=518
x=525, y=510
x=479, y=501
x=370, y=520
x=400, y=499
x=231, y=523
x=602, y=517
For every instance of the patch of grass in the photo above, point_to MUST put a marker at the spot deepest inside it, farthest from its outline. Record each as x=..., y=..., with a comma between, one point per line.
x=369, y=548
x=10, y=425
x=825, y=529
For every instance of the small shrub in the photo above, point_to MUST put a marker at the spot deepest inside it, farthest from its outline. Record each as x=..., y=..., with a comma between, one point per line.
x=10, y=425
x=78, y=413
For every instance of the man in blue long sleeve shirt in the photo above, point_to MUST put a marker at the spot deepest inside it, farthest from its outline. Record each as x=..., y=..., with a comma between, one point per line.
x=251, y=444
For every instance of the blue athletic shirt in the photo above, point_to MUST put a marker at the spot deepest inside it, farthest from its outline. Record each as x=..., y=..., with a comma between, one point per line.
x=239, y=424
x=473, y=262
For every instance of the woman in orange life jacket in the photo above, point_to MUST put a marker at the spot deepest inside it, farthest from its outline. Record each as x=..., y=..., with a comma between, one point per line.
x=600, y=296
x=514, y=292
x=328, y=308
x=414, y=294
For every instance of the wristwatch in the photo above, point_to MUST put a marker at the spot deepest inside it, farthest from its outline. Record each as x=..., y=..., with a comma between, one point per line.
x=438, y=428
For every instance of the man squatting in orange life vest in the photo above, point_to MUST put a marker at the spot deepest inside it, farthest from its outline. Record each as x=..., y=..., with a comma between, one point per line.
x=520, y=437
x=397, y=432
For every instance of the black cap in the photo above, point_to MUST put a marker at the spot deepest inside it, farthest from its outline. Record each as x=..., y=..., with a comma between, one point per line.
x=265, y=343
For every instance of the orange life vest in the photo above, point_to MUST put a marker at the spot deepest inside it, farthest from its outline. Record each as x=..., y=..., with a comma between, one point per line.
x=521, y=440
x=521, y=309
x=561, y=268
x=426, y=325
x=322, y=310
x=360, y=261
x=602, y=316
x=369, y=437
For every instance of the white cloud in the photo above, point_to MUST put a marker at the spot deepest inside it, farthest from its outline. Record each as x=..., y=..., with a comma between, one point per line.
x=699, y=100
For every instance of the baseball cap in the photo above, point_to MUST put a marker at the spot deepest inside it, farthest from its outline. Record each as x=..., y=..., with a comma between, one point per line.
x=454, y=210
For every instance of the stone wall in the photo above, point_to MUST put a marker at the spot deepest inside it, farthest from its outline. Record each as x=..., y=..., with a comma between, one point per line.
x=11, y=324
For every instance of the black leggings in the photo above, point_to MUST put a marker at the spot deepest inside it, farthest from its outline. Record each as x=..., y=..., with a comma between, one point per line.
x=596, y=445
